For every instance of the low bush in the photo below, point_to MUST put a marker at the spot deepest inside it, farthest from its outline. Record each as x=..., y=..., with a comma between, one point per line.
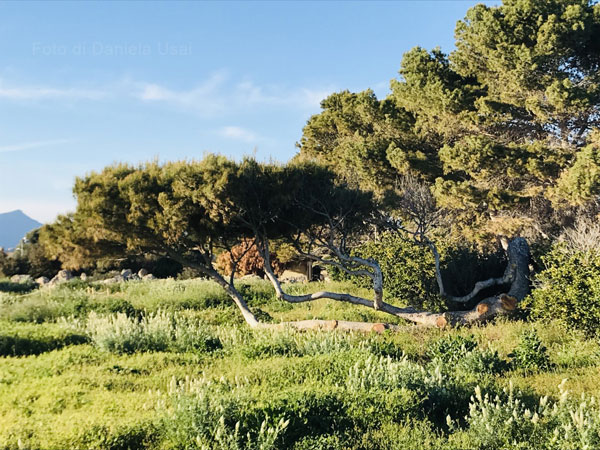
x=439, y=392
x=207, y=415
x=451, y=348
x=531, y=354
x=568, y=290
x=483, y=362
x=288, y=342
x=17, y=288
x=153, y=332
x=455, y=351
x=129, y=437
x=507, y=422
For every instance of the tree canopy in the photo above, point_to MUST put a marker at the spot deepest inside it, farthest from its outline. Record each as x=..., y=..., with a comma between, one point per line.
x=503, y=127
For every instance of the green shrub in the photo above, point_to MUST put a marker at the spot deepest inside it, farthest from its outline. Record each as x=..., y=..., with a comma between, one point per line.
x=118, y=305
x=451, y=348
x=507, y=422
x=456, y=351
x=568, y=290
x=209, y=415
x=256, y=292
x=483, y=362
x=439, y=392
x=154, y=332
x=382, y=346
x=408, y=270
x=130, y=437
x=321, y=442
x=310, y=410
x=530, y=354
x=290, y=342
x=28, y=309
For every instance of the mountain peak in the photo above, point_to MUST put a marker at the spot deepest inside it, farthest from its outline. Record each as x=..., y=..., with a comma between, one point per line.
x=14, y=225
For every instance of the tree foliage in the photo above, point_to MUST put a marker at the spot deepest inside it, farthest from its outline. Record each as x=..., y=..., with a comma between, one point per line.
x=502, y=125
x=30, y=257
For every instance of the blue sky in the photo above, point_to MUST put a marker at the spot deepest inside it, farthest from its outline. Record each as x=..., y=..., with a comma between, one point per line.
x=86, y=84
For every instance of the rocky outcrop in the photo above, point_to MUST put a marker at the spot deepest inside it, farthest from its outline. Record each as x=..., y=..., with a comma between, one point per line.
x=42, y=281
x=61, y=277
x=128, y=275
x=22, y=279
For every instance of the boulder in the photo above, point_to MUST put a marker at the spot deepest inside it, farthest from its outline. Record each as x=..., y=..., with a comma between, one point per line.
x=126, y=274
x=142, y=273
x=61, y=277
x=24, y=278
x=148, y=277
x=83, y=276
x=250, y=277
x=42, y=281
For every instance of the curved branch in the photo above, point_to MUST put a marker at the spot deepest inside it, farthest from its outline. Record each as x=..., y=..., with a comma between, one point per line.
x=479, y=286
x=210, y=272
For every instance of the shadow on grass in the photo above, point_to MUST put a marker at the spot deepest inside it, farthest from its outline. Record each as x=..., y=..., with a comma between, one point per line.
x=11, y=345
x=17, y=288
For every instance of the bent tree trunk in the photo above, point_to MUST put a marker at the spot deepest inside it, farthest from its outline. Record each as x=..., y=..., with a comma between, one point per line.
x=516, y=276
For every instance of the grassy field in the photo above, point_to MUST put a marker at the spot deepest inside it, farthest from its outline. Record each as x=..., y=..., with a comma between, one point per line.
x=169, y=364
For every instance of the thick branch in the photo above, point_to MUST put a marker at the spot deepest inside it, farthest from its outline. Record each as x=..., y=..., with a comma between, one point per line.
x=479, y=286
x=517, y=271
x=331, y=325
x=210, y=272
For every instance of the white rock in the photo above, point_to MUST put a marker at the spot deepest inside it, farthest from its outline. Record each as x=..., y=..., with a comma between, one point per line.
x=42, y=281
x=126, y=274
x=21, y=278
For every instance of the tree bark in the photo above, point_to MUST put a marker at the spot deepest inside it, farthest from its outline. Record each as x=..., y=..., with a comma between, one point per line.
x=516, y=273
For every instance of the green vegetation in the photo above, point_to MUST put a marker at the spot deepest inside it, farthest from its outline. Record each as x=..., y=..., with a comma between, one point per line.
x=569, y=289
x=429, y=198
x=504, y=128
x=191, y=376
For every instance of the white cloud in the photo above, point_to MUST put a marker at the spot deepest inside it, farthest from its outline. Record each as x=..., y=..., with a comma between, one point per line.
x=32, y=145
x=218, y=94
x=205, y=97
x=238, y=134
x=42, y=93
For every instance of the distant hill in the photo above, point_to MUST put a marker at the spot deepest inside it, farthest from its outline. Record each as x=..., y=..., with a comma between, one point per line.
x=13, y=226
